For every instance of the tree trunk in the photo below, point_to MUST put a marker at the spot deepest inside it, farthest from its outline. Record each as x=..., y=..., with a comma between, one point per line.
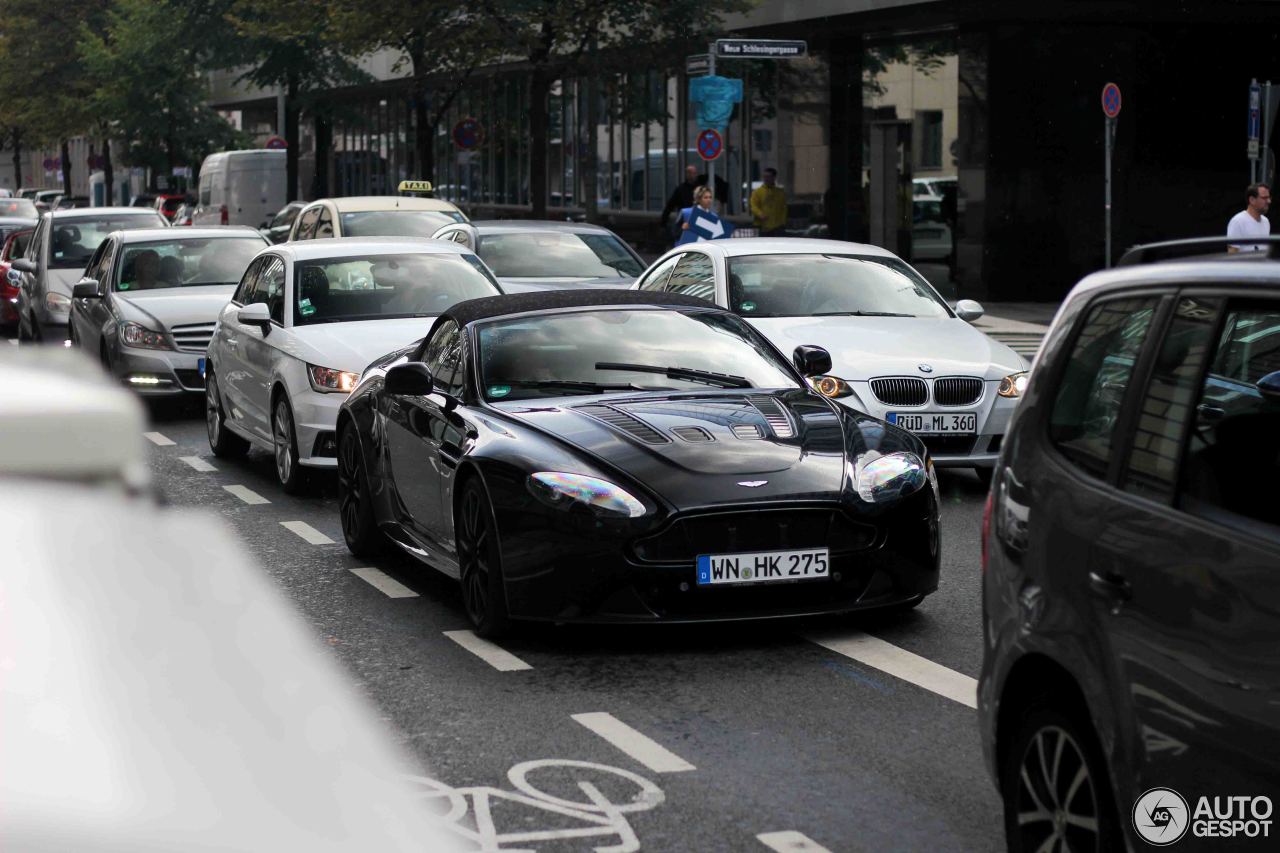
x=108, y=174
x=589, y=159
x=291, y=138
x=424, y=159
x=539, y=118
x=65, y=154
x=16, y=137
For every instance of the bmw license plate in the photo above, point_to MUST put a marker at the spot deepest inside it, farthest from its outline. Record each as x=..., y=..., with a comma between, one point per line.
x=934, y=423
x=200, y=366
x=763, y=567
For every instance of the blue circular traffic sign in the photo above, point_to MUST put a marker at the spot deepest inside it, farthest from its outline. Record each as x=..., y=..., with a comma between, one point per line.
x=710, y=144
x=1111, y=100
x=468, y=133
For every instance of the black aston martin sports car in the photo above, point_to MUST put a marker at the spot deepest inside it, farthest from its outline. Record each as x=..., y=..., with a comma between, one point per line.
x=625, y=456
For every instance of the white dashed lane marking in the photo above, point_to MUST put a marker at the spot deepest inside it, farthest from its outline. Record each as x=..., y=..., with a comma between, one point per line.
x=901, y=663
x=197, y=463
x=307, y=532
x=790, y=841
x=158, y=439
x=249, y=496
x=384, y=583
x=641, y=747
x=496, y=656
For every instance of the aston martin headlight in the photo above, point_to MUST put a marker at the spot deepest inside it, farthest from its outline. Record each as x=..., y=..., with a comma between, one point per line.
x=600, y=496
x=882, y=478
x=831, y=386
x=1013, y=385
x=140, y=337
x=327, y=380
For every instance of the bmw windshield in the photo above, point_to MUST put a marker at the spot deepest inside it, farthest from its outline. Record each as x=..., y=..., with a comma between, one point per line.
x=829, y=285
x=592, y=352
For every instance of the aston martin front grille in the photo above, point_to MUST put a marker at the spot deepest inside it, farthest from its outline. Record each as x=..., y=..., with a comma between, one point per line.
x=900, y=390
x=775, y=415
x=957, y=390
x=629, y=424
x=757, y=530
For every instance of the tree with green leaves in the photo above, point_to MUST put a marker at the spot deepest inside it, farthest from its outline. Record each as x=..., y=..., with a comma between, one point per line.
x=570, y=38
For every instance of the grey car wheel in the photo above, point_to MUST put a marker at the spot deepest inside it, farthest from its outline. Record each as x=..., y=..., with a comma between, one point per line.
x=222, y=441
x=285, y=440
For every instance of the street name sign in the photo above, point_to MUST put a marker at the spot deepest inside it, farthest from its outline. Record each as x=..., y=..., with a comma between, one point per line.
x=697, y=65
x=761, y=48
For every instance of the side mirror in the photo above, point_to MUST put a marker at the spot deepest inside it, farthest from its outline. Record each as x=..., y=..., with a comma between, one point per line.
x=411, y=379
x=968, y=310
x=1269, y=385
x=87, y=288
x=24, y=265
x=257, y=314
x=811, y=360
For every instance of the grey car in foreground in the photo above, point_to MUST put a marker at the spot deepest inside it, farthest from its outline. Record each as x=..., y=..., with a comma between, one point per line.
x=527, y=255
x=1130, y=689
x=149, y=300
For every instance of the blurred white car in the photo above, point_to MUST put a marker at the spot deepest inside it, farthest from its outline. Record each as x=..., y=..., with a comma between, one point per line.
x=373, y=216
x=305, y=321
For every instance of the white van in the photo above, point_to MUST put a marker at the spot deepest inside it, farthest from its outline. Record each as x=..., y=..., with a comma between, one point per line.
x=241, y=188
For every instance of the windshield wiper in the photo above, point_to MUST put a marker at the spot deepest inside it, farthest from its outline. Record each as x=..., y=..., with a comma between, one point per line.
x=568, y=384
x=858, y=314
x=723, y=380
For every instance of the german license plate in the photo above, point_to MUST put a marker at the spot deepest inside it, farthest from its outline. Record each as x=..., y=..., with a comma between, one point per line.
x=948, y=423
x=200, y=366
x=763, y=567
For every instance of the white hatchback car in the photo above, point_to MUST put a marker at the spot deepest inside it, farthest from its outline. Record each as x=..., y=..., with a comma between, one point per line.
x=898, y=351
x=302, y=325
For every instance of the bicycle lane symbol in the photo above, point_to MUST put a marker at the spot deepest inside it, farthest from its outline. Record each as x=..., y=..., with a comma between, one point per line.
x=600, y=816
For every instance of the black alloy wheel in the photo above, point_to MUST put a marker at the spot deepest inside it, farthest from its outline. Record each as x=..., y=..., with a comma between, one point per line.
x=483, y=592
x=1057, y=797
x=224, y=443
x=355, y=501
x=285, y=440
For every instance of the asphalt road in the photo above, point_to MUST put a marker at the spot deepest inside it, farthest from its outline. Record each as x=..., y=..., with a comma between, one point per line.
x=708, y=738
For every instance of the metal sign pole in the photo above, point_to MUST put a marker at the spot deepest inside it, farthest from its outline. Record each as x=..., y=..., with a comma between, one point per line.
x=1111, y=135
x=711, y=164
x=1268, y=118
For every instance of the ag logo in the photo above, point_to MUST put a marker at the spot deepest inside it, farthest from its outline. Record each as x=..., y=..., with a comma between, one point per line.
x=1160, y=816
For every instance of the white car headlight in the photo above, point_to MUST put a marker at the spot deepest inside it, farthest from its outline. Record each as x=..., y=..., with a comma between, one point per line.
x=1013, y=385
x=881, y=478
x=140, y=337
x=57, y=302
x=602, y=497
x=327, y=380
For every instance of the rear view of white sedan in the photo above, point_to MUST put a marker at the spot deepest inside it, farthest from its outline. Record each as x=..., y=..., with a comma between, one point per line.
x=304, y=322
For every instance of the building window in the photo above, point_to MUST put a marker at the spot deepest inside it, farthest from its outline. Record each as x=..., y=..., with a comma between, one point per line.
x=930, y=124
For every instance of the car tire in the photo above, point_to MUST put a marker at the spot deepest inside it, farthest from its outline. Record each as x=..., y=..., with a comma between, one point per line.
x=224, y=443
x=1087, y=820
x=484, y=593
x=284, y=440
x=355, y=500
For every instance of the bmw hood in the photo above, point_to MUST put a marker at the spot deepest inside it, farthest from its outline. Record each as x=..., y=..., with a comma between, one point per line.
x=863, y=347
x=739, y=445
x=529, y=285
x=352, y=346
x=165, y=308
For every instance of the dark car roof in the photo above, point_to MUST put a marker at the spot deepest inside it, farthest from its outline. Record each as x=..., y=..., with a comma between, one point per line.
x=550, y=300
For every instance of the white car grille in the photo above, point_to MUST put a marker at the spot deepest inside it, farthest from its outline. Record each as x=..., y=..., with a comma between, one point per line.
x=900, y=390
x=193, y=337
x=957, y=390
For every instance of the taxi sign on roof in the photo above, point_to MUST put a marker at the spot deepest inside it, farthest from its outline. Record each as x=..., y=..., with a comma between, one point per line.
x=415, y=186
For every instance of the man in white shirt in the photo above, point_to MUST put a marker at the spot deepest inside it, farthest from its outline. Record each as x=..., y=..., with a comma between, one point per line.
x=1252, y=221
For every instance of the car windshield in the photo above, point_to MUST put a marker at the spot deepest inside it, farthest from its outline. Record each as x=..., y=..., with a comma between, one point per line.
x=380, y=287
x=396, y=223
x=829, y=285
x=18, y=207
x=75, y=240
x=185, y=262
x=589, y=352
x=549, y=254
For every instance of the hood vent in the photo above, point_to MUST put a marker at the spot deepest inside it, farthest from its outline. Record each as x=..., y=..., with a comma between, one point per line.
x=775, y=415
x=692, y=433
x=629, y=424
x=746, y=431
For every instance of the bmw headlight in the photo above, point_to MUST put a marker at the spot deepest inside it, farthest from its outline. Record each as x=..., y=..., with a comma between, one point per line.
x=830, y=386
x=600, y=496
x=882, y=478
x=57, y=302
x=139, y=336
x=1013, y=385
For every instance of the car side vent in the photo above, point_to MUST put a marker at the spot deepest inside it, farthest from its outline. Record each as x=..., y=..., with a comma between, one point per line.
x=746, y=431
x=629, y=424
x=775, y=415
x=692, y=433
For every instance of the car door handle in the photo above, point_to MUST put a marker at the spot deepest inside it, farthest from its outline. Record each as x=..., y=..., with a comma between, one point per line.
x=1210, y=413
x=1111, y=585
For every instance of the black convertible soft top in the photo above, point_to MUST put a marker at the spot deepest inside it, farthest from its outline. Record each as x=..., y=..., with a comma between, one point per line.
x=548, y=300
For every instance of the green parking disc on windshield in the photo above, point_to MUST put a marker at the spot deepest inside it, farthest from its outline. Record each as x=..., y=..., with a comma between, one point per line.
x=124, y=285
x=306, y=308
x=499, y=390
x=748, y=306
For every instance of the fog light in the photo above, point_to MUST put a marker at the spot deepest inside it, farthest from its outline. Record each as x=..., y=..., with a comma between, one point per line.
x=143, y=379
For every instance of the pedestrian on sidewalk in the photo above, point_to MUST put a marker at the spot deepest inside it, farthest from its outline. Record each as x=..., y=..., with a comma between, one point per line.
x=769, y=206
x=681, y=198
x=1252, y=221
